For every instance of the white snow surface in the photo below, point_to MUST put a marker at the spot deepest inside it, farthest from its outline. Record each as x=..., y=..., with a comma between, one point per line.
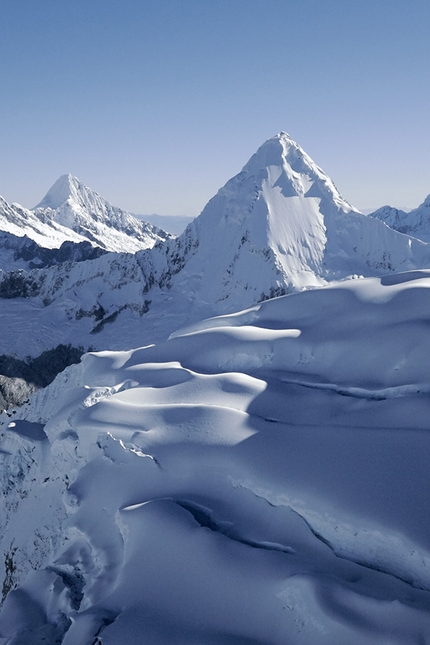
x=260, y=477
x=21, y=221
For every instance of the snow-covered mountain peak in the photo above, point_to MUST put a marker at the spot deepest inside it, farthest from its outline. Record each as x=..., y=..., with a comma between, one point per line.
x=69, y=193
x=73, y=205
x=279, y=225
x=66, y=187
x=290, y=169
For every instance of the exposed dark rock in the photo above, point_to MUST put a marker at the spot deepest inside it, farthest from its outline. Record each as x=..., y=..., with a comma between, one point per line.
x=16, y=284
x=39, y=257
x=19, y=379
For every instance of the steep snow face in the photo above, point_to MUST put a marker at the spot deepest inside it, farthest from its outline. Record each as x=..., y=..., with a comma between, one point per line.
x=267, y=223
x=82, y=210
x=416, y=222
x=279, y=225
x=261, y=477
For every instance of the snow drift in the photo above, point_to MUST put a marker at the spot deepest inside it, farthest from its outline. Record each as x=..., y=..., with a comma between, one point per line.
x=260, y=477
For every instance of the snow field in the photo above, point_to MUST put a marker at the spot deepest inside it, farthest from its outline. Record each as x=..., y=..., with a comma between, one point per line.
x=260, y=477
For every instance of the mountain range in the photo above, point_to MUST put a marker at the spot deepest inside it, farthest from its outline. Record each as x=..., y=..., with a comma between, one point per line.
x=69, y=213
x=277, y=227
x=220, y=437
x=415, y=222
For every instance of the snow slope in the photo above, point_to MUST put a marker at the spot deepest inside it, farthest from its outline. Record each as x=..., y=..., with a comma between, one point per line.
x=415, y=222
x=19, y=221
x=260, y=477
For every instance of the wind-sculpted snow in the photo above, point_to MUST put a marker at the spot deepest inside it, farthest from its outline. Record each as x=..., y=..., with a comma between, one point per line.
x=260, y=477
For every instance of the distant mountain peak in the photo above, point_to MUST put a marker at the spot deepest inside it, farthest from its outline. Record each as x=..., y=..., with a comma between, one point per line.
x=65, y=187
x=75, y=206
x=415, y=222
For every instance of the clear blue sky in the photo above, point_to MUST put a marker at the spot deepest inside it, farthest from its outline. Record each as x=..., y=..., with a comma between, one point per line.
x=155, y=104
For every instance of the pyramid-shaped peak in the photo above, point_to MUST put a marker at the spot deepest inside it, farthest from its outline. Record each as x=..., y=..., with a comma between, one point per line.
x=286, y=141
x=281, y=150
x=297, y=173
x=66, y=187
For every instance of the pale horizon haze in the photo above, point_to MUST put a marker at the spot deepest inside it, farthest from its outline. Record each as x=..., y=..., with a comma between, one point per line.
x=155, y=104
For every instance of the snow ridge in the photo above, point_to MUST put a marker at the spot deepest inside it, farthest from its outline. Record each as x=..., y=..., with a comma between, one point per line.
x=415, y=222
x=71, y=212
x=73, y=205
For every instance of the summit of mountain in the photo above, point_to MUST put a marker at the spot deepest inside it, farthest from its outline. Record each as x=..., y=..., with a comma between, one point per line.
x=75, y=206
x=72, y=223
x=280, y=225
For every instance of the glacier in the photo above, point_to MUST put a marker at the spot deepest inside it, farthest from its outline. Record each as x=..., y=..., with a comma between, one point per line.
x=259, y=477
